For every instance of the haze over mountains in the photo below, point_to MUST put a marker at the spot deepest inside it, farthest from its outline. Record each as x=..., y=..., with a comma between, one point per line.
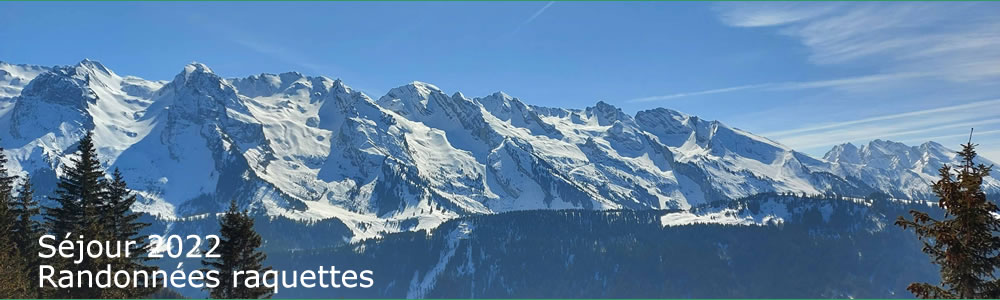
x=311, y=147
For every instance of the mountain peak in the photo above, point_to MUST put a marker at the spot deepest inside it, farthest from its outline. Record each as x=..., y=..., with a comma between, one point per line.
x=413, y=91
x=90, y=66
x=886, y=154
x=887, y=147
x=846, y=152
x=607, y=114
x=881, y=142
x=664, y=111
x=847, y=146
x=931, y=144
x=201, y=94
x=200, y=74
x=410, y=98
x=501, y=95
x=497, y=99
x=267, y=84
x=91, y=63
x=423, y=86
x=337, y=84
x=14, y=77
x=196, y=67
x=291, y=75
x=934, y=149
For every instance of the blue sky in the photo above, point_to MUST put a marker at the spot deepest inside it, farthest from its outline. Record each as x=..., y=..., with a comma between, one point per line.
x=808, y=75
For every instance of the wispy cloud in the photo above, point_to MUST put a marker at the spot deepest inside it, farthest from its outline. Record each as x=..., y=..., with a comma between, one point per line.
x=954, y=41
x=700, y=93
x=253, y=43
x=949, y=44
x=538, y=13
x=772, y=14
x=914, y=126
x=973, y=106
x=279, y=52
x=849, y=82
x=792, y=85
x=975, y=134
x=533, y=16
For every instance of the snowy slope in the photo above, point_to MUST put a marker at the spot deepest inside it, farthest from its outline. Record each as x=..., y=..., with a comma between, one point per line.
x=310, y=147
x=827, y=213
x=900, y=170
x=726, y=162
x=14, y=77
x=55, y=108
x=354, y=160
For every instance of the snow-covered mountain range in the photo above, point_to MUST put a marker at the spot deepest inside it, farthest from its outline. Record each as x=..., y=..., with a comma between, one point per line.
x=311, y=147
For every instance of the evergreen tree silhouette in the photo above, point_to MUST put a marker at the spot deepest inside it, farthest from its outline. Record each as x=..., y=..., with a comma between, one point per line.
x=80, y=191
x=122, y=224
x=7, y=217
x=80, y=194
x=963, y=243
x=238, y=251
x=13, y=281
x=26, y=232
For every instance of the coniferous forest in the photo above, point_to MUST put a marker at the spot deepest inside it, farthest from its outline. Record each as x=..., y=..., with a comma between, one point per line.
x=93, y=205
x=89, y=206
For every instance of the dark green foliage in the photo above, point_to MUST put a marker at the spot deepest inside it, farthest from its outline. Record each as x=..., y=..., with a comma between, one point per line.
x=26, y=232
x=7, y=216
x=238, y=251
x=80, y=194
x=279, y=234
x=93, y=208
x=13, y=281
x=962, y=243
x=118, y=215
x=122, y=224
x=26, y=229
x=615, y=254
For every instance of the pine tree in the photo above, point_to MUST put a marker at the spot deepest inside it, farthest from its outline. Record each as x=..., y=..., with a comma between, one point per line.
x=7, y=217
x=26, y=232
x=122, y=224
x=80, y=194
x=80, y=191
x=238, y=252
x=13, y=282
x=963, y=243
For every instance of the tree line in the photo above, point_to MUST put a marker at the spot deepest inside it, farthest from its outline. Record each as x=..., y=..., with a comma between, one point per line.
x=90, y=203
